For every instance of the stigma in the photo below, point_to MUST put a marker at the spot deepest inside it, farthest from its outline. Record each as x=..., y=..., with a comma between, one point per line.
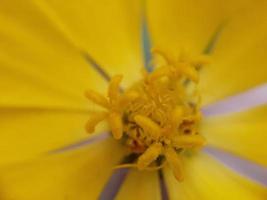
x=157, y=118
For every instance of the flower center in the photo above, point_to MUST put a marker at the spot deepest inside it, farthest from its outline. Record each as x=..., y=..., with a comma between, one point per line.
x=158, y=117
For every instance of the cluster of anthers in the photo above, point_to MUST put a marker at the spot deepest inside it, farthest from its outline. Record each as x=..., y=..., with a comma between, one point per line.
x=158, y=117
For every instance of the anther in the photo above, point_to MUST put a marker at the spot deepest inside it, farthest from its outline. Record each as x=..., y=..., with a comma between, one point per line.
x=175, y=163
x=149, y=155
x=149, y=126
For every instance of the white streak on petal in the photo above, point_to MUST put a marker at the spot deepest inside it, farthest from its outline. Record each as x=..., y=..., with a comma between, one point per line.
x=240, y=102
x=244, y=167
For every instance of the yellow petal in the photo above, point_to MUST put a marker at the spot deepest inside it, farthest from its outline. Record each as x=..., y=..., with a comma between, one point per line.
x=206, y=179
x=39, y=66
x=108, y=30
x=79, y=174
x=140, y=185
x=28, y=133
x=188, y=24
x=242, y=133
x=239, y=59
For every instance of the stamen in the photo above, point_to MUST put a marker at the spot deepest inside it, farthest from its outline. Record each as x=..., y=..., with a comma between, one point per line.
x=149, y=126
x=94, y=120
x=122, y=166
x=114, y=88
x=115, y=122
x=188, y=141
x=133, y=165
x=189, y=71
x=158, y=117
x=175, y=162
x=97, y=98
x=149, y=155
x=177, y=115
x=183, y=66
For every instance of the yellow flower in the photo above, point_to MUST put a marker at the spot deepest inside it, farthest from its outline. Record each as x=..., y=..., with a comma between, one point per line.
x=54, y=54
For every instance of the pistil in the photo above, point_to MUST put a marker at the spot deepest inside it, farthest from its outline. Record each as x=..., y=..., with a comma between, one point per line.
x=158, y=117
